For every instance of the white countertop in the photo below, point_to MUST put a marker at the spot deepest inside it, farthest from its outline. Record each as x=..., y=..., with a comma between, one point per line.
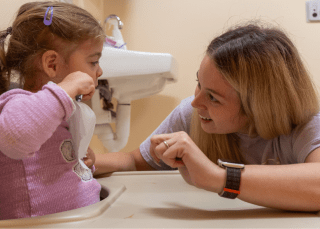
x=164, y=199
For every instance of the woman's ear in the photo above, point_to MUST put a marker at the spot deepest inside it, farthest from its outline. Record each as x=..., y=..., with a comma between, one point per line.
x=50, y=62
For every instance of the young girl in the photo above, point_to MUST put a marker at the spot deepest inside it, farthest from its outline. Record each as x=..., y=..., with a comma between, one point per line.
x=40, y=174
x=254, y=104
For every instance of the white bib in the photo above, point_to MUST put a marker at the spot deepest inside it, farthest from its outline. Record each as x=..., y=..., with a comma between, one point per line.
x=82, y=124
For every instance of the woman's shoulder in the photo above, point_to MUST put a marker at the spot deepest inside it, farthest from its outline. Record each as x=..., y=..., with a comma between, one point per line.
x=185, y=105
x=316, y=117
x=179, y=119
x=187, y=101
x=305, y=138
x=183, y=114
x=312, y=123
x=185, y=108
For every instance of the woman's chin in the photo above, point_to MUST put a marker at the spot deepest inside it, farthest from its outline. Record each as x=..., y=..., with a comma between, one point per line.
x=206, y=128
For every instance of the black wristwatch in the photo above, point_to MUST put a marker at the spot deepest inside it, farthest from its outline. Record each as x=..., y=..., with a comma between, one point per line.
x=231, y=188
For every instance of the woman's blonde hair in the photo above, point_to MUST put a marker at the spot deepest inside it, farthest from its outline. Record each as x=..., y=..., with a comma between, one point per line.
x=30, y=37
x=274, y=87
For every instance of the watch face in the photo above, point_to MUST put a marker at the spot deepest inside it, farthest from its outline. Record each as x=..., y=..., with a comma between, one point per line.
x=224, y=164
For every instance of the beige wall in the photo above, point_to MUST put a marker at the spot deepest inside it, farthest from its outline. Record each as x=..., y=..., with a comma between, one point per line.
x=184, y=28
x=8, y=10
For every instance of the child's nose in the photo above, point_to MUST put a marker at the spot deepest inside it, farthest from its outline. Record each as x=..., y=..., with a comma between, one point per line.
x=99, y=72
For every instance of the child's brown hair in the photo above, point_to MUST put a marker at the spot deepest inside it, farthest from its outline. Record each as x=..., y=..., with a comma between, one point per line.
x=30, y=37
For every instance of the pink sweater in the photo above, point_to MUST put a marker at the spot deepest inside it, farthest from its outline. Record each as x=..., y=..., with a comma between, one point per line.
x=39, y=173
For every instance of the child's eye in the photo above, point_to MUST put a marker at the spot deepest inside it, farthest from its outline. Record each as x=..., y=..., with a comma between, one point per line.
x=95, y=63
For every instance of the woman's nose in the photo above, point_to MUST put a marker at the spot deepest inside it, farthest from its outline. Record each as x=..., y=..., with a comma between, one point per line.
x=198, y=101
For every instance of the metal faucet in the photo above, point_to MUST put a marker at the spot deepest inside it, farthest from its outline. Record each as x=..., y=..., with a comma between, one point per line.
x=113, y=16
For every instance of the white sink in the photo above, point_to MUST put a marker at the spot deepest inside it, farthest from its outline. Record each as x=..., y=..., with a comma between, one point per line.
x=163, y=199
x=130, y=75
x=134, y=75
x=109, y=193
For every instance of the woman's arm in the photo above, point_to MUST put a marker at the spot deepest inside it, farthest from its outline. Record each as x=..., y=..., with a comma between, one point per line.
x=119, y=161
x=293, y=187
x=177, y=120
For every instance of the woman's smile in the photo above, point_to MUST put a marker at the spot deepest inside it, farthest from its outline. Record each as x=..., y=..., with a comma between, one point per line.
x=202, y=118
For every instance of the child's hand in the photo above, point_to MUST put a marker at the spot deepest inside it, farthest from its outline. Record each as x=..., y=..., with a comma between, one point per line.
x=78, y=83
x=90, y=158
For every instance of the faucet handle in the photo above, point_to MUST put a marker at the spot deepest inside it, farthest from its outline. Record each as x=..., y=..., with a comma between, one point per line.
x=111, y=16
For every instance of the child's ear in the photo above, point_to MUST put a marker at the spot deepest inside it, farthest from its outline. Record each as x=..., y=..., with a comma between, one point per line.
x=50, y=62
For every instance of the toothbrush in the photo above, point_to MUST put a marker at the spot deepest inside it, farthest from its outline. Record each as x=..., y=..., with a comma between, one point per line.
x=79, y=98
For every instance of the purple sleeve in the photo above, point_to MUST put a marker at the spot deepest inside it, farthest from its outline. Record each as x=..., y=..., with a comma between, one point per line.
x=27, y=120
x=178, y=120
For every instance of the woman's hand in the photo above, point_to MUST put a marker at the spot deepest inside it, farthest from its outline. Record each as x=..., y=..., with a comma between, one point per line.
x=90, y=158
x=184, y=154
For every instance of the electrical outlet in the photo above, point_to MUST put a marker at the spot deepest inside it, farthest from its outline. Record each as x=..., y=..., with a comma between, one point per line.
x=313, y=10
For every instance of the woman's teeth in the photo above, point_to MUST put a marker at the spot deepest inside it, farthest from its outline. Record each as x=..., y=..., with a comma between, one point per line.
x=204, y=118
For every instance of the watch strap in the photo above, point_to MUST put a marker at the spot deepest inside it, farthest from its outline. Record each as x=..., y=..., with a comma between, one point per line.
x=231, y=189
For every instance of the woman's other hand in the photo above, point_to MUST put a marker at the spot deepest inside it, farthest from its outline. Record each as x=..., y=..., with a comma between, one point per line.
x=90, y=158
x=193, y=164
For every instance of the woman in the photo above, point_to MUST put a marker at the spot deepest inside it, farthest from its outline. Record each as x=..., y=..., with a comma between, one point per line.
x=254, y=104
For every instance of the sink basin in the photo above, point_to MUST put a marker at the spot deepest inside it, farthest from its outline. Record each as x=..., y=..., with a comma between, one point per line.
x=119, y=63
x=108, y=195
x=163, y=199
x=134, y=75
x=130, y=75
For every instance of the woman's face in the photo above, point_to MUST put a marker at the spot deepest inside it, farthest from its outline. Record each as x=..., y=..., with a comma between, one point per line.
x=217, y=102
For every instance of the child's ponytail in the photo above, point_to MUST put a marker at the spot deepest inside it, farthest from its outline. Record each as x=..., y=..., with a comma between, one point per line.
x=4, y=70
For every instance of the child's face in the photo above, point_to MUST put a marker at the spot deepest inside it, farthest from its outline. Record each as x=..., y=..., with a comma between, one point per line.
x=217, y=102
x=86, y=59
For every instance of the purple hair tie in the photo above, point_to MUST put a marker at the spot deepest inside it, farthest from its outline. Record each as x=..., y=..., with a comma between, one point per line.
x=45, y=21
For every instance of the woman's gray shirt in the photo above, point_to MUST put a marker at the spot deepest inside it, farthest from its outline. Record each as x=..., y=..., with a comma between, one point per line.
x=285, y=149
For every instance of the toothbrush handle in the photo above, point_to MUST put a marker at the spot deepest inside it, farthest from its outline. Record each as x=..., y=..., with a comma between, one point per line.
x=79, y=98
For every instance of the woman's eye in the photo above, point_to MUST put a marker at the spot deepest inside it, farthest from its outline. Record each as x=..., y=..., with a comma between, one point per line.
x=198, y=84
x=212, y=98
